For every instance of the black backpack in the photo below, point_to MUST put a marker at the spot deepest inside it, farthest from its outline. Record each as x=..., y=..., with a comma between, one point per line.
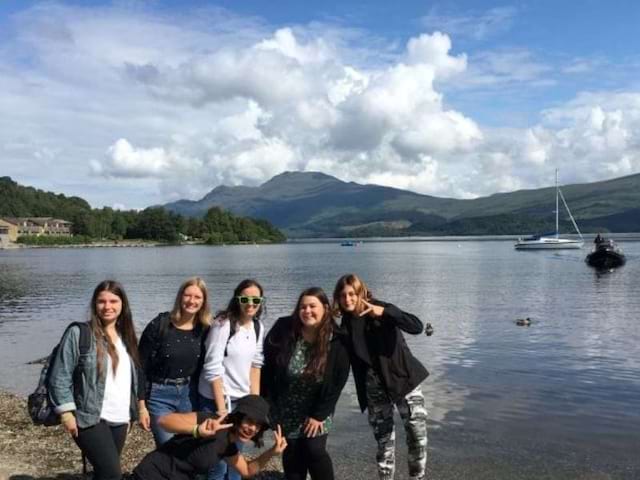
x=41, y=409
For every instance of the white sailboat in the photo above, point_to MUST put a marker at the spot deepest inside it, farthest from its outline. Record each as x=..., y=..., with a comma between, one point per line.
x=552, y=241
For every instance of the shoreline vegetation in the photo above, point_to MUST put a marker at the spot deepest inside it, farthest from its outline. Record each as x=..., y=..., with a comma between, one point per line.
x=128, y=243
x=155, y=224
x=31, y=452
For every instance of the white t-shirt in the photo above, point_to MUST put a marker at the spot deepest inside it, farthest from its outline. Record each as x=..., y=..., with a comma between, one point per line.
x=117, y=389
x=243, y=352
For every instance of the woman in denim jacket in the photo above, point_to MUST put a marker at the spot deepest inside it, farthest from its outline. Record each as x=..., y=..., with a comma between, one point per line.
x=97, y=401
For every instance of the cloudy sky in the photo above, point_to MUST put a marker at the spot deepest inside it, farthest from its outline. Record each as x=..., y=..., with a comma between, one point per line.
x=129, y=103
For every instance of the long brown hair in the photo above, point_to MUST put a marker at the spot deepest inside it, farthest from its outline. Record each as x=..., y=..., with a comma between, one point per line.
x=234, y=311
x=358, y=285
x=203, y=317
x=124, y=327
x=320, y=349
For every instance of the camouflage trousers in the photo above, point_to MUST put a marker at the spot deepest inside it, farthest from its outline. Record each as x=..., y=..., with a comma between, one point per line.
x=414, y=417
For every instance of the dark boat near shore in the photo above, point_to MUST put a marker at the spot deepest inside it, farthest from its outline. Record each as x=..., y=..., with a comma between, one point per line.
x=605, y=254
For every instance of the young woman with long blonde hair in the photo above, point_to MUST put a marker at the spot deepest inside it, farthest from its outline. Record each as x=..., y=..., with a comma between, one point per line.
x=172, y=352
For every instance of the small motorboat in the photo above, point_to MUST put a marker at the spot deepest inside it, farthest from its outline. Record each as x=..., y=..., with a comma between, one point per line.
x=605, y=254
x=350, y=243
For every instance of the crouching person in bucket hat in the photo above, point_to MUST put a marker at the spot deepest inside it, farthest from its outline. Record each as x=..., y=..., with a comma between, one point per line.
x=203, y=440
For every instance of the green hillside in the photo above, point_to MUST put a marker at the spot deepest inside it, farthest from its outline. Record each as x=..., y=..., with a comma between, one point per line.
x=312, y=204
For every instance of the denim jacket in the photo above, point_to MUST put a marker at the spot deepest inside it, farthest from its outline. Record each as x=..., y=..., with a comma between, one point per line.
x=83, y=392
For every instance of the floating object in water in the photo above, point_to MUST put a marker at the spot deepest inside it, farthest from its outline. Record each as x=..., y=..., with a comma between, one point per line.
x=351, y=243
x=523, y=322
x=428, y=330
x=605, y=255
x=39, y=361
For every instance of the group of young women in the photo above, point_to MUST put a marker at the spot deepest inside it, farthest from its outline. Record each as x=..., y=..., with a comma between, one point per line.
x=205, y=386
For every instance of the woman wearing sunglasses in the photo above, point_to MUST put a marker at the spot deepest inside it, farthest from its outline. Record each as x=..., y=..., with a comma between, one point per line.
x=385, y=372
x=172, y=351
x=233, y=358
x=306, y=367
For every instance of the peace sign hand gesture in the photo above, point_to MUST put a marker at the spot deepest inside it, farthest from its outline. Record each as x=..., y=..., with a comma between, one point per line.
x=211, y=426
x=373, y=310
x=280, y=443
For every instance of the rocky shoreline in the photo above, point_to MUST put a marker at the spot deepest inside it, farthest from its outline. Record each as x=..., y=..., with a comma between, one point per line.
x=30, y=452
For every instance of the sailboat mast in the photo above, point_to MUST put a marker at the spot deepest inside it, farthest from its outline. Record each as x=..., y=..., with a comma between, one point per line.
x=557, y=230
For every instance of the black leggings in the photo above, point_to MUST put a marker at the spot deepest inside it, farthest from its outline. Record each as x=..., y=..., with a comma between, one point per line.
x=102, y=444
x=310, y=455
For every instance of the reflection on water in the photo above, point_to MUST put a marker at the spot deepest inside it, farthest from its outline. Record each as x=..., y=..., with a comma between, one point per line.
x=570, y=379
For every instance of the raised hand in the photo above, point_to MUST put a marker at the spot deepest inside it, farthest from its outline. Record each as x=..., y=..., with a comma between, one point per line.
x=279, y=442
x=211, y=426
x=370, y=308
x=313, y=427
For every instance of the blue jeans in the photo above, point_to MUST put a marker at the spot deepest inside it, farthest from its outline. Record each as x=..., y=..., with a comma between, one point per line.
x=221, y=470
x=166, y=399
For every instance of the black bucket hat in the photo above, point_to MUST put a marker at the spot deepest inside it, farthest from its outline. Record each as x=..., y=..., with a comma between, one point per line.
x=255, y=407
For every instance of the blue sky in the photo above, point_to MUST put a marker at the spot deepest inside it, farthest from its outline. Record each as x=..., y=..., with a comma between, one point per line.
x=129, y=104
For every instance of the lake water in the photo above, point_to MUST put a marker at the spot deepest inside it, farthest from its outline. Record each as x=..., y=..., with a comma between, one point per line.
x=559, y=399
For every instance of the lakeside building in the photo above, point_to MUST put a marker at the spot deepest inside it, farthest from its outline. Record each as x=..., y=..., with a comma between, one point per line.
x=13, y=227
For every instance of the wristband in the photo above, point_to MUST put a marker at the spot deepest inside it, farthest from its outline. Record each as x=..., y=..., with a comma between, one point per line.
x=195, y=432
x=66, y=416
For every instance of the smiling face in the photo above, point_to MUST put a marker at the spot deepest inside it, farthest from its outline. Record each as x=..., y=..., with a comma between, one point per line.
x=247, y=429
x=248, y=310
x=311, y=311
x=348, y=299
x=108, y=307
x=192, y=300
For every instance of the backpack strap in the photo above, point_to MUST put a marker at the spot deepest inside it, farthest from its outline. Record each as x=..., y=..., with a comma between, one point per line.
x=162, y=322
x=163, y=326
x=84, y=343
x=256, y=327
x=232, y=332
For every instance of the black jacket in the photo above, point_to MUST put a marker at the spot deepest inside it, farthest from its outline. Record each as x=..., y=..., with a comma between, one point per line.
x=273, y=378
x=378, y=343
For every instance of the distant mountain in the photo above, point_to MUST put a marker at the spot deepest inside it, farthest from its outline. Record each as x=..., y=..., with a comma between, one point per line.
x=314, y=204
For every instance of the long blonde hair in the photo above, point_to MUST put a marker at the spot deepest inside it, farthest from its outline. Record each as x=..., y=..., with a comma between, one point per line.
x=203, y=317
x=358, y=285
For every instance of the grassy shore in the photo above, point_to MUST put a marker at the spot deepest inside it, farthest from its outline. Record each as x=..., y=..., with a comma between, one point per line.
x=29, y=452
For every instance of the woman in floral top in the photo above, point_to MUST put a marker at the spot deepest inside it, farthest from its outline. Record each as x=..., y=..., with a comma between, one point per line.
x=306, y=365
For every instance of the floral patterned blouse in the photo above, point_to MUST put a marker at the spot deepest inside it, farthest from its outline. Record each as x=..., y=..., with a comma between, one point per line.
x=292, y=408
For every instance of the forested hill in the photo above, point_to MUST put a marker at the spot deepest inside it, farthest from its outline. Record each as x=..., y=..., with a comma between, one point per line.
x=312, y=204
x=19, y=201
x=153, y=223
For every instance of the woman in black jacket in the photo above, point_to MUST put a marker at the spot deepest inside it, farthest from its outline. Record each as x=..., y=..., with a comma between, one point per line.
x=385, y=372
x=306, y=365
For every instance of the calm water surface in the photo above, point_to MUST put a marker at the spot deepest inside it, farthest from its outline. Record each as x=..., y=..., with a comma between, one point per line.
x=559, y=398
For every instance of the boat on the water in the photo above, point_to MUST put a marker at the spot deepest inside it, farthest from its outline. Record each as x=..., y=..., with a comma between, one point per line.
x=350, y=243
x=605, y=254
x=552, y=240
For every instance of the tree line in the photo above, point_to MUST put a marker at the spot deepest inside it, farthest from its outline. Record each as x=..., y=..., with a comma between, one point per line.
x=153, y=223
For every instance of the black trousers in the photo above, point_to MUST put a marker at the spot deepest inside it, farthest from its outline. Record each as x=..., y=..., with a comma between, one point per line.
x=310, y=455
x=102, y=445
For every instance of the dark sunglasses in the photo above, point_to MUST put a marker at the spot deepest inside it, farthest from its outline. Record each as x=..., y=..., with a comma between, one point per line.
x=252, y=300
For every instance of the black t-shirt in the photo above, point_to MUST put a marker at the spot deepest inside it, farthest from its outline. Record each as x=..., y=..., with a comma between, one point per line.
x=167, y=352
x=183, y=456
x=179, y=353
